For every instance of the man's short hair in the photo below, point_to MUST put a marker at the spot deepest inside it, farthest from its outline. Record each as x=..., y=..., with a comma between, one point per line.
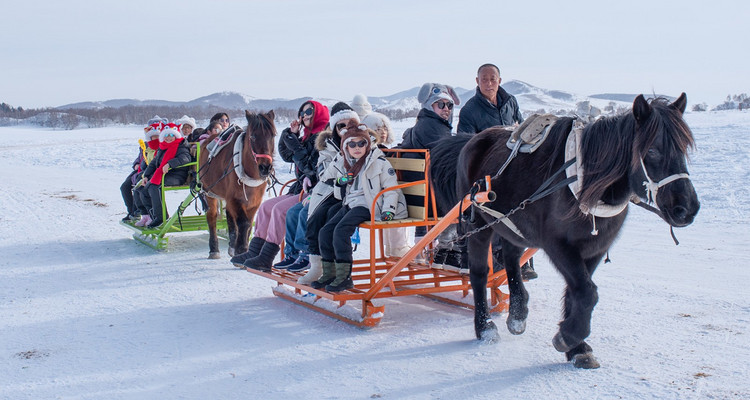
x=488, y=65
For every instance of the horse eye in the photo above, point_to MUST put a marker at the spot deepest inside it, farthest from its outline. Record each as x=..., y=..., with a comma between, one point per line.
x=653, y=152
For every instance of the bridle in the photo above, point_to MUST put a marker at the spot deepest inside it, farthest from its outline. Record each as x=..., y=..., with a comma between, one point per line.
x=652, y=188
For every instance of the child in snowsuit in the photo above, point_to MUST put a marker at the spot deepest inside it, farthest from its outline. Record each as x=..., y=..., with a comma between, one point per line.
x=361, y=171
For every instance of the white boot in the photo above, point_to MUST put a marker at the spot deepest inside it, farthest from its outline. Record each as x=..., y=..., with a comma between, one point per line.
x=315, y=271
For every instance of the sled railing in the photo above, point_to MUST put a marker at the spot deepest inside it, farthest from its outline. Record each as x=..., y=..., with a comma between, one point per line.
x=177, y=222
x=380, y=276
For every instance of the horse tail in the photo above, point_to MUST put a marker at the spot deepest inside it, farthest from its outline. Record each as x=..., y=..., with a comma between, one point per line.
x=443, y=169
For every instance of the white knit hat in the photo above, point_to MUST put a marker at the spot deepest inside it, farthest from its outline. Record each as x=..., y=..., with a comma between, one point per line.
x=170, y=128
x=185, y=120
x=375, y=120
x=361, y=106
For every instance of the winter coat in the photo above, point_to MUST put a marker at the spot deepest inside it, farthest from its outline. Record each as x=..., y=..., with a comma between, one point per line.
x=300, y=149
x=142, y=163
x=327, y=151
x=175, y=176
x=429, y=128
x=304, y=156
x=376, y=175
x=479, y=114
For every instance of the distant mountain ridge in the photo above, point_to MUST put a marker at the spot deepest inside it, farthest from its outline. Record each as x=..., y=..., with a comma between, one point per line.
x=530, y=98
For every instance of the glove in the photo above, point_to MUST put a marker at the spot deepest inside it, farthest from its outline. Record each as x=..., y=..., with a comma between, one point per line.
x=291, y=141
x=346, y=179
x=387, y=216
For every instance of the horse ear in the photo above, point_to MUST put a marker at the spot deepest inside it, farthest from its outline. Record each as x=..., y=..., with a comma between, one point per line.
x=248, y=114
x=680, y=104
x=271, y=115
x=641, y=109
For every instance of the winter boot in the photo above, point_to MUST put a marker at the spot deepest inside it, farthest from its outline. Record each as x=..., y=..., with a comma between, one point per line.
x=253, y=249
x=343, y=279
x=329, y=274
x=145, y=220
x=316, y=270
x=264, y=260
x=527, y=271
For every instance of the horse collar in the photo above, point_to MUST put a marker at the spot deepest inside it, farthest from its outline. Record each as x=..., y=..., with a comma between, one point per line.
x=238, y=169
x=573, y=151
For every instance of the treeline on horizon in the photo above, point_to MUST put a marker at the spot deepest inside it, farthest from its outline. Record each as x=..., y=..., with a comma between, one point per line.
x=71, y=118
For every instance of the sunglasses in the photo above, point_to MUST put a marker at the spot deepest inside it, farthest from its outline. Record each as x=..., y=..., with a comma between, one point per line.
x=353, y=144
x=224, y=120
x=340, y=126
x=169, y=135
x=307, y=112
x=442, y=104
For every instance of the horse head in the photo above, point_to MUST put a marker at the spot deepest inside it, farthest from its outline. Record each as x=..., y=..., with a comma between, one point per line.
x=260, y=135
x=659, y=166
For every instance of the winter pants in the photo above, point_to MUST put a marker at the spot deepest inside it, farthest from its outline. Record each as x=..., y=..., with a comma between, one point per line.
x=270, y=222
x=325, y=211
x=127, y=193
x=152, y=199
x=335, y=236
x=296, y=226
x=139, y=200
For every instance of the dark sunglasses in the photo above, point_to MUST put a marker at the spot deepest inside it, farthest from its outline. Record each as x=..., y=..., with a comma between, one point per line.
x=340, y=126
x=442, y=104
x=309, y=111
x=224, y=120
x=352, y=144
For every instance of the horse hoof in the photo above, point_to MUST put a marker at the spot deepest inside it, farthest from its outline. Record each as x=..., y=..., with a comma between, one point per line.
x=215, y=255
x=560, y=344
x=516, y=326
x=488, y=333
x=231, y=252
x=585, y=361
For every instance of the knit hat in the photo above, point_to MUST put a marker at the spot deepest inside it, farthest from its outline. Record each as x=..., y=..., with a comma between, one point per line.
x=170, y=128
x=157, y=119
x=341, y=111
x=376, y=120
x=355, y=132
x=432, y=92
x=361, y=106
x=185, y=120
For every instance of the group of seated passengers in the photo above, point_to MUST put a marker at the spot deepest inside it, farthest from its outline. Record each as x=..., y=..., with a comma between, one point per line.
x=340, y=167
x=162, y=156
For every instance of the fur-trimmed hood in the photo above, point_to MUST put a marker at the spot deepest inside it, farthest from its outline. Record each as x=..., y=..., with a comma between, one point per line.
x=321, y=142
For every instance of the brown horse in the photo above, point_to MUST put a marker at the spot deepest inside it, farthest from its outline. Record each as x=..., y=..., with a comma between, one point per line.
x=239, y=178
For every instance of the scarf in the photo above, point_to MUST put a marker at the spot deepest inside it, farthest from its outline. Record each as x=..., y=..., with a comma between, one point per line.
x=170, y=149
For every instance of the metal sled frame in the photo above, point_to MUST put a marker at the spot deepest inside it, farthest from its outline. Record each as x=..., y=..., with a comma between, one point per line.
x=157, y=237
x=381, y=277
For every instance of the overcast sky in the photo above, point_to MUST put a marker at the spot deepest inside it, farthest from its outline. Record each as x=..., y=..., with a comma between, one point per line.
x=60, y=52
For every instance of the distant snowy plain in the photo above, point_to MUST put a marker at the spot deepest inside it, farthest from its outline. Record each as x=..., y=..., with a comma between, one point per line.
x=88, y=313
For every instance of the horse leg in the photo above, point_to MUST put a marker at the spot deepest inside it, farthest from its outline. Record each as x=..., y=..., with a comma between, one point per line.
x=580, y=298
x=243, y=231
x=477, y=247
x=231, y=212
x=211, y=215
x=518, y=309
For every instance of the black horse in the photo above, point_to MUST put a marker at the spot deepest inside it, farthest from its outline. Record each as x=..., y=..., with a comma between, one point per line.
x=622, y=157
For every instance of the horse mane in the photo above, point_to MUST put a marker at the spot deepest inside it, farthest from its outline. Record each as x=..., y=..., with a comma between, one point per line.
x=612, y=147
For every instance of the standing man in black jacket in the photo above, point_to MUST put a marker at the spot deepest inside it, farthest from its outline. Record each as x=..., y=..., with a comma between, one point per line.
x=490, y=106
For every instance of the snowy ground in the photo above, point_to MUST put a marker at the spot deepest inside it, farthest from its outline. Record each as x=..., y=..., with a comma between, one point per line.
x=88, y=313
